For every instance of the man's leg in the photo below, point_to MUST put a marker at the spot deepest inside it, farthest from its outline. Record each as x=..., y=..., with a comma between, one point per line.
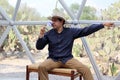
x=84, y=70
x=45, y=66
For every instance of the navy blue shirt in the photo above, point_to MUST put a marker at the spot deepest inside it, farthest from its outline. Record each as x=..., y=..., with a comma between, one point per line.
x=60, y=44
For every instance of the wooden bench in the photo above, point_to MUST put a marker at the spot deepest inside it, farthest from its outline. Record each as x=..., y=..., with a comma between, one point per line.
x=72, y=73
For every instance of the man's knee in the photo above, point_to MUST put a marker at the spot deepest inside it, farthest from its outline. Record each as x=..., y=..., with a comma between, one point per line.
x=87, y=69
x=84, y=70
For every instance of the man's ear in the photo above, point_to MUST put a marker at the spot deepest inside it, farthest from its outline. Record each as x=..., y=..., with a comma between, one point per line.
x=63, y=21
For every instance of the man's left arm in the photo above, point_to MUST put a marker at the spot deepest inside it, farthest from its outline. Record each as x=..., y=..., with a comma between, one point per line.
x=91, y=29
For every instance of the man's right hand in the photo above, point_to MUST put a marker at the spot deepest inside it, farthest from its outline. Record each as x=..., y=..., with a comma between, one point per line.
x=42, y=32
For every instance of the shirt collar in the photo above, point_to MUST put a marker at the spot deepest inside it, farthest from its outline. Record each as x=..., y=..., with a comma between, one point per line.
x=61, y=32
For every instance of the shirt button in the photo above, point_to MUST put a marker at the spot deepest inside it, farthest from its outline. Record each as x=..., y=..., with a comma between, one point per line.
x=58, y=40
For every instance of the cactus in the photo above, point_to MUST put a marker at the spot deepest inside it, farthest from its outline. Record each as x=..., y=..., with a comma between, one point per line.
x=78, y=50
x=113, y=69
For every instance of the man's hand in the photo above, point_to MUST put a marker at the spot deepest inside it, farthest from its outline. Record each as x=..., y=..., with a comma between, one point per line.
x=42, y=32
x=108, y=24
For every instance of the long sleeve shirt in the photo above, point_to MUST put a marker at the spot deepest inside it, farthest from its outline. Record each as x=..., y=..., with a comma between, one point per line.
x=60, y=44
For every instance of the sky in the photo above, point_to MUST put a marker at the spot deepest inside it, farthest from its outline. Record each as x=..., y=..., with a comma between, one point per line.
x=45, y=7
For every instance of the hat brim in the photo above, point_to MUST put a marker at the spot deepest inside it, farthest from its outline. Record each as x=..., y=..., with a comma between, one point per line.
x=55, y=17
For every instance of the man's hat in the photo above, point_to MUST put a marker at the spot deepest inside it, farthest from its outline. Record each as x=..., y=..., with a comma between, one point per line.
x=56, y=16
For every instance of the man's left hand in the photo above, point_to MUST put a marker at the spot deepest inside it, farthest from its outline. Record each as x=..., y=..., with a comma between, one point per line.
x=108, y=24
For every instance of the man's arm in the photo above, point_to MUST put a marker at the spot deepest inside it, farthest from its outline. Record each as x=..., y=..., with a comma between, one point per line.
x=89, y=30
x=42, y=40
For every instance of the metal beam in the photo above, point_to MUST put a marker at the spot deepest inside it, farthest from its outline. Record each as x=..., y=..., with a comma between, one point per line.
x=83, y=39
x=11, y=25
x=23, y=44
x=66, y=8
x=16, y=10
x=81, y=9
x=4, y=35
x=3, y=14
x=6, y=23
x=89, y=53
x=31, y=22
x=117, y=77
x=68, y=22
x=18, y=33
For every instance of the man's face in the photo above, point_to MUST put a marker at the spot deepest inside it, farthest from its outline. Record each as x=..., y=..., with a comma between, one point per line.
x=56, y=23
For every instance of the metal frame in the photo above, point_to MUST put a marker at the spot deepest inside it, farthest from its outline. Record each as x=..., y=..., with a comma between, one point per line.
x=12, y=24
x=83, y=39
x=14, y=27
x=7, y=23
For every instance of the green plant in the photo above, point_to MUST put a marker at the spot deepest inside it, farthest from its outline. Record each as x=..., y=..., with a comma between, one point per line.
x=113, y=69
x=78, y=50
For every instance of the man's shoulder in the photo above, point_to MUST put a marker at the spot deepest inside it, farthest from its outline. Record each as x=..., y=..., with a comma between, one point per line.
x=67, y=28
x=72, y=28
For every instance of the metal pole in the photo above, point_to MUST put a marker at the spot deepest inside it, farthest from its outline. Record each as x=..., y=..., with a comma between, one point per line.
x=18, y=33
x=31, y=22
x=81, y=9
x=89, y=53
x=66, y=8
x=4, y=15
x=83, y=39
x=91, y=58
x=118, y=77
x=75, y=21
x=23, y=44
x=16, y=10
x=6, y=23
x=3, y=22
x=4, y=35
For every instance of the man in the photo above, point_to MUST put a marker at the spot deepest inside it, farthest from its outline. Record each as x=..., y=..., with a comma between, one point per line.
x=60, y=41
